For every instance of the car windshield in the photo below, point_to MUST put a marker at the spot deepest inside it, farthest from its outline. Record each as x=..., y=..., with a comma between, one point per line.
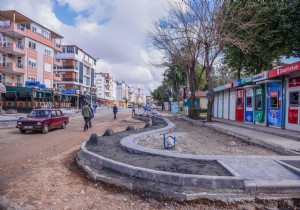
x=40, y=113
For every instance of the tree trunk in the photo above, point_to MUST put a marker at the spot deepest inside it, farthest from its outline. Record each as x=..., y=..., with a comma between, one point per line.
x=192, y=89
x=210, y=94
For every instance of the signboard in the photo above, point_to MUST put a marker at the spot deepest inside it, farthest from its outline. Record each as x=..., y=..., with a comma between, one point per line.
x=237, y=83
x=166, y=105
x=223, y=87
x=70, y=91
x=170, y=99
x=174, y=107
x=229, y=85
x=294, y=82
x=260, y=77
x=247, y=80
x=286, y=69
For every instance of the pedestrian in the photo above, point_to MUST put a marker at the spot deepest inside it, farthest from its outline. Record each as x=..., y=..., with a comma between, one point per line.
x=95, y=107
x=115, y=110
x=86, y=115
x=91, y=116
x=55, y=104
x=50, y=104
x=133, y=110
x=145, y=108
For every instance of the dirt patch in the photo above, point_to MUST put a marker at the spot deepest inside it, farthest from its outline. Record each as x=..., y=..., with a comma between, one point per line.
x=191, y=139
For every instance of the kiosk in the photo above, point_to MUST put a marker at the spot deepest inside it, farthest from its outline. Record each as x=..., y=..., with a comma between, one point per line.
x=239, y=102
x=274, y=103
x=293, y=104
x=259, y=104
x=249, y=109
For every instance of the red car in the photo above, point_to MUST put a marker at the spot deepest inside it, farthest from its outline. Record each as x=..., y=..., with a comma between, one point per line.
x=43, y=120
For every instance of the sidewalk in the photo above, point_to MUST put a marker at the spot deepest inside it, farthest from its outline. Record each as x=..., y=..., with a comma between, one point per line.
x=280, y=140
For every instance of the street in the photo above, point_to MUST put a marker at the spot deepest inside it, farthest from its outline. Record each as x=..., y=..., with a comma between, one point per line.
x=22, y=154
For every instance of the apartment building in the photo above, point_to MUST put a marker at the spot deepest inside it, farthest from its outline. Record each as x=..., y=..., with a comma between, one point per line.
x=27, y=50
x=77, y=72
x=100, y=85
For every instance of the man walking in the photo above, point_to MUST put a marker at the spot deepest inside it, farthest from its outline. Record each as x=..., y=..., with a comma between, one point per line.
x=115, y=110
x=145, y=108
x=86, y=115
x=91, y=116
x=133, y=110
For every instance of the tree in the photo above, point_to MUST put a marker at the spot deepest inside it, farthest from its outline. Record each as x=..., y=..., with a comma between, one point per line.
x=196, y=32
x=277, y=35
x=174, y=35
x=217, y=26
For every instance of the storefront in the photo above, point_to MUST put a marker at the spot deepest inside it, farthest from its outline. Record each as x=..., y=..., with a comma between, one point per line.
x=260, y=98
x=239, y=101
x=293, y=102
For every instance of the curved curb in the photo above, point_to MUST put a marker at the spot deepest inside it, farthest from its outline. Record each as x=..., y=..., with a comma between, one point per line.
x=129, y=142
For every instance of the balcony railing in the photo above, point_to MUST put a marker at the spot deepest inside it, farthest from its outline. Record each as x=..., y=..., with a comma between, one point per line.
x=18, y=84
x=13, y=48
x=69, y=79
x=68, y=67
x=12, y=67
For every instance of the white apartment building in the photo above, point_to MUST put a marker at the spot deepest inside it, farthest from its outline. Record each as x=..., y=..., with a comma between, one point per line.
x=100, y=85
x=27, y=50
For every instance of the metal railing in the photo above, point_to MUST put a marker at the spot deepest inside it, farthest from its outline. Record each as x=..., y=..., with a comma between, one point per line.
x=68, y=67
x=20, y=46
x=19, y=65
x=69, y=79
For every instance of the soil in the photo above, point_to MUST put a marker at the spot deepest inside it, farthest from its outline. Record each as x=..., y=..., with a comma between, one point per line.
x=110, y=147
x=197, y=140
x=39, y=172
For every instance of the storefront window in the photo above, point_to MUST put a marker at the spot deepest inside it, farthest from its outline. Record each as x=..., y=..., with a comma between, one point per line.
x=274, y=100
x=249, y=101
x=258, y=102
x=239, y=102
x=294, y=99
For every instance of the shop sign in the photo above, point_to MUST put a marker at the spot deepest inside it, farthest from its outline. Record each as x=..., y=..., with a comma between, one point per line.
x=219, y=88
x=229, y=85
x=246, y=80
x=294, y=82
x=237, y=83
x=286, y=69
x=261, y=76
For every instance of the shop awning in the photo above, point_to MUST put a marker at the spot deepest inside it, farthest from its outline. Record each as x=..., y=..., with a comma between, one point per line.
x=2, y=88
x=103, y=100
x=11, y=94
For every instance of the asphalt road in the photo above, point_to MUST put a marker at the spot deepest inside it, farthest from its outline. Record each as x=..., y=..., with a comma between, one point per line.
x=18, y=152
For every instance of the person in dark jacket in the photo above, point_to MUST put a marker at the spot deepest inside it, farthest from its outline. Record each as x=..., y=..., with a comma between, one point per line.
x=86, y=115
x=115, y=111
x=91, y=116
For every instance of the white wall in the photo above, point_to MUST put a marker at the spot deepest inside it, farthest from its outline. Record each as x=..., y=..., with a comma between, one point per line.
x=220, y=108
x=232, y=104
x=226, y=106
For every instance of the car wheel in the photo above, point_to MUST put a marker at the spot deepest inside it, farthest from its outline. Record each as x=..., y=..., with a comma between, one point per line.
x=45, y=129
x=22, y=131
x=63, y=125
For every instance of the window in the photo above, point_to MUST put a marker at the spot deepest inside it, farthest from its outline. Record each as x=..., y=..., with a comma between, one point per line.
x=32, y=45
x=294, y=99
x=249, y=101
x=32, y=63
x=46, y=34
x=239, y=102
x=70, y=49
x=34, y=29
x=47, y=52
x=258, y=102
x=31, y=79
x=274, y=100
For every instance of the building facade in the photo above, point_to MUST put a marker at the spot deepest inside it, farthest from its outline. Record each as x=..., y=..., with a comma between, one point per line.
x=77, y=73
x=27, y=50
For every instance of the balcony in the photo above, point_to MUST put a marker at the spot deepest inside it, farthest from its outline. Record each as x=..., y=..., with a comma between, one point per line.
x=13, y=29
x=67, y=68
x=12, y=48
x=69, y=80
x=17, y=30
x=57, y=62
x=57, y=77
x=12, y=68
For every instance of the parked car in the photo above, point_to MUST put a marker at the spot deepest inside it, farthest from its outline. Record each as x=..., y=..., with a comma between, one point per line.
x=43, y=120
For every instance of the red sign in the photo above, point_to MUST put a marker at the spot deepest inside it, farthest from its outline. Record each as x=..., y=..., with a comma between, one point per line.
x=286, y=69
x=293, y=116
x=294, y=82
x=274, y=94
